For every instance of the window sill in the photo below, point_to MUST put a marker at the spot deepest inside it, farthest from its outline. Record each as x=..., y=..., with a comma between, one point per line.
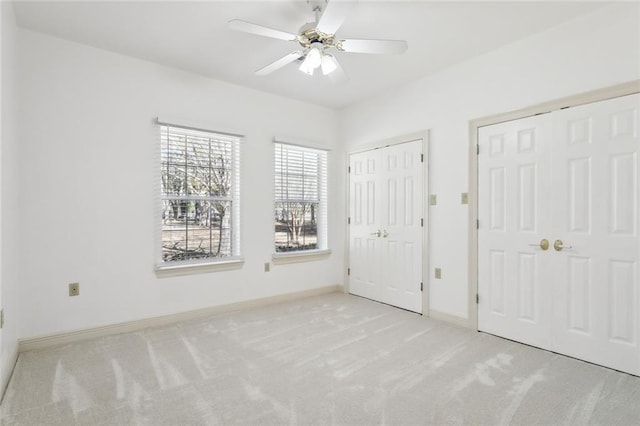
x=301, y=256
x=163, y=271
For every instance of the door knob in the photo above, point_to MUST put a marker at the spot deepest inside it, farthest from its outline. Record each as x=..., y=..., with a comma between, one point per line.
x=543, y=244
x=559, y=245
x=377, y=233
x=385, y=234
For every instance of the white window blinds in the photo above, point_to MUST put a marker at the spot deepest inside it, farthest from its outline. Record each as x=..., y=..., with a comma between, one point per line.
x=300, y=198
x=200, y=193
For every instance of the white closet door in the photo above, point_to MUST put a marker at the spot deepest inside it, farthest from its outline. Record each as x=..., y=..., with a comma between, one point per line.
x=514, y=187
x=570, y=177
x=365, y=253
x=401, y=225
x=386, y=188
x=596, y=292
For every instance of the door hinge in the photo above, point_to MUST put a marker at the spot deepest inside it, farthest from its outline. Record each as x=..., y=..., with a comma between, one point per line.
x=421, y=221
x=477, y=149
x=422, y=158
x=348, y=221
x=477, y=299
x=1, y=318
x=477, y=223
x=348, y=271
x=349, y=169
x=421, y=287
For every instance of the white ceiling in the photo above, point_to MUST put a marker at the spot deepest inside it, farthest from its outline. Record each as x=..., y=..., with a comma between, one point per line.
x=194, y=36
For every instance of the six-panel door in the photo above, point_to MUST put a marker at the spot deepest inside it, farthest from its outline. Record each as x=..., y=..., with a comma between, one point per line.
x=385, y=225
x=576, y=185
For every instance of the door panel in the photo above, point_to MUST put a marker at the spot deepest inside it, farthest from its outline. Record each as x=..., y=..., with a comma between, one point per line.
x=579, y=295
x=390, y=269
x=496, y=284
x=402, y=231
x=596, y=293
x=365, y=279
x=512, y=181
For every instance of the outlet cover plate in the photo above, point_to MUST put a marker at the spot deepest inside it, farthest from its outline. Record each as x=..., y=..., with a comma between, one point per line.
x=438, y=273
x=433, y=199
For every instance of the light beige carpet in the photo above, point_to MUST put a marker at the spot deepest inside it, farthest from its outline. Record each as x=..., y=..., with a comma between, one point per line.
x=333, y=359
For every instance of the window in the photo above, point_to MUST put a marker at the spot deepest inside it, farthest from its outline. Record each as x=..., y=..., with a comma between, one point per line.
x=200, y=195
x=300, y=198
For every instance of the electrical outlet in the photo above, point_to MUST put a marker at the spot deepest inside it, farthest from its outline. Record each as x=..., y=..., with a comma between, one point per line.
x=267, y=266
x=464, y=198
x=74, y=289
x=433, y=200
x=438, y=273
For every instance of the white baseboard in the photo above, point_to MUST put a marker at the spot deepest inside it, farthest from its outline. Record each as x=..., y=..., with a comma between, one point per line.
x=451, y=319
x=46, y=341
x=8, y=372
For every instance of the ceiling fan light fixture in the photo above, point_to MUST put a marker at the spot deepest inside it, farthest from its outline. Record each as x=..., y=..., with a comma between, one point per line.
x=305, y=68
x=313, y=59
x=328, y=64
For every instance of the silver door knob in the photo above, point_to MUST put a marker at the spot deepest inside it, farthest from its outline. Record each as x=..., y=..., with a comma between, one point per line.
x=385, y=234
x=377, y=233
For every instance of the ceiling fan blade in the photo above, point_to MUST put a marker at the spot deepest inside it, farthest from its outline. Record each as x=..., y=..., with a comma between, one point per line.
x=291, y=57
x=248, y=27
x=334, y=15
x=374, y=46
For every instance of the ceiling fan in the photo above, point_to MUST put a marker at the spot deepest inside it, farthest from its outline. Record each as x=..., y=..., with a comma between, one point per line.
x=317, y=39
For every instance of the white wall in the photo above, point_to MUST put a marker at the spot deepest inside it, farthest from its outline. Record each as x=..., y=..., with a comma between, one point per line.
x=87, y=181
x=87, y=165
x=9, y=277
x=595, y=51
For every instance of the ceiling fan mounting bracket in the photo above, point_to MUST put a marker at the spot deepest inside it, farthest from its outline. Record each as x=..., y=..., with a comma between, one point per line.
x=313, y=35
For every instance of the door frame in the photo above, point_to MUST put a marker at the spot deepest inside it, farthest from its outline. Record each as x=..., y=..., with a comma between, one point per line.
x=597, y=95
x=424, y=136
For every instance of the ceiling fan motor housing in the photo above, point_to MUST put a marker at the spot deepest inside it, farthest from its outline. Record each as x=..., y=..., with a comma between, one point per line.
x=313, y=35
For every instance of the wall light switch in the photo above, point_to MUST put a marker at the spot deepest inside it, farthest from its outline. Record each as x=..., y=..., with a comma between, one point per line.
x=438, y=273
x=433, y=200
x=464, y=198
x=267, y=266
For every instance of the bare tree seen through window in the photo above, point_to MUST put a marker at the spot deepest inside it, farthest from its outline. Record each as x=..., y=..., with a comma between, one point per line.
x=197, y=195
x=297, y=189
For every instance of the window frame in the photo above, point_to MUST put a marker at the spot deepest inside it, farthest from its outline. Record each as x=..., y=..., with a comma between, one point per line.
x=191, y=266
x=322, y=251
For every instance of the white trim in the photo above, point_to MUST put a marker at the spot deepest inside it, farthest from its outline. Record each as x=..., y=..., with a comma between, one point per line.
x=10, y=367
x=597, y=95
x=300, y=143
x=426, y=254
x=46, y=341
x=172, y=270
x=196, y=125
x=451, y=319
x=299, y=256
x=410, y=137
